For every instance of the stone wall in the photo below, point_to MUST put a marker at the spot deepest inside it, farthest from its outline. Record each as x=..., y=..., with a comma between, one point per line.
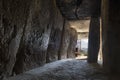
x=79, y=9
x=31, y=34
x=72, y=43
x=68, y=42
x=65, y=39
x=94, y=40
x=13, y=19
x=111, y=36
x=40, y=26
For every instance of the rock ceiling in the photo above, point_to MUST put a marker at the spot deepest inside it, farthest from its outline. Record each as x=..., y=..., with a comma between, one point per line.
x=82, y=27
x=79, y=11
x=71, y=10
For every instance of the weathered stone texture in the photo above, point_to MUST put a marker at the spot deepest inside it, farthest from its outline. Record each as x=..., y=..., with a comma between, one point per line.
x=94, y=40
x=41, y=20
x=12, y=23
x=68, y=42
x=72, y=43
x=111, y=36
x=32, y=32
x=65, y=40
x=55, y=37
x=36, y=37
x=25, y=32
x=79, y=9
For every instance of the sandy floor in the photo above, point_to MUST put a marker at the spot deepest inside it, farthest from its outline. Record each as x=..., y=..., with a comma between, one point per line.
x=81, y=57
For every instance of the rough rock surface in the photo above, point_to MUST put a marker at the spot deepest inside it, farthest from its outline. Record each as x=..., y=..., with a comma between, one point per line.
x=55, y=38
x=64, y=70
x=33, y=48
x=65, y=40
x=13, y=18
x=31, y=34
x=41, y=25
x=72, y=43
x=79, y=9
x=26, y=29
x=94, y=40
x=111, y=35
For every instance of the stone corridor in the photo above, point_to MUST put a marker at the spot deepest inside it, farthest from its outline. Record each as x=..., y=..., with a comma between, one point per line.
x=38, y=42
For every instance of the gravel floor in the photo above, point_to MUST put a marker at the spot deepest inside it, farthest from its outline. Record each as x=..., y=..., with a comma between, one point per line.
x=69, y=69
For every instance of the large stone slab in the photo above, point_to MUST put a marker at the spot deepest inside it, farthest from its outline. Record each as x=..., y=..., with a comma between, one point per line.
x=25, y=32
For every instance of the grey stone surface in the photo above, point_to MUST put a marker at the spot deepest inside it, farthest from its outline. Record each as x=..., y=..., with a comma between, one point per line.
x=39, y=27
x=65, y=40
x=27, y=29
x=94, y=40
x=13, y=17
x=111, y=36
x=55, y=37
x=72, y=43
x=79, y=9
x=30, y=34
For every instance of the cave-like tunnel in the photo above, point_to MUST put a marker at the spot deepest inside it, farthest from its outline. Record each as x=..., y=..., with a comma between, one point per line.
x=38, y=39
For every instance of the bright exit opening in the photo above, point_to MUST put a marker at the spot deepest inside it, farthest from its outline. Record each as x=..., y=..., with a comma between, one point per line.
x=82, y=27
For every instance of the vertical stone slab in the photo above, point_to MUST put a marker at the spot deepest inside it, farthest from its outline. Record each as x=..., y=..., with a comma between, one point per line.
x=94, y=40
x=55, y=35
x=105, y=49
x=72, y=43
x=65, y=40
x=111, y=36
x=36, y=37
x=40, y=34
x=12, y=22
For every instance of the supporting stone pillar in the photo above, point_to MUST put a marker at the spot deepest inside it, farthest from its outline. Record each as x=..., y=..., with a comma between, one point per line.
x=65, y=40
x=94, y=40
x=72, y=43
x=55, y=36
x=111, y=35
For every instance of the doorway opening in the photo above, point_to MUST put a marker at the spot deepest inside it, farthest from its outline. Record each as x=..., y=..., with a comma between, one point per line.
x=82, y=28
x=82, y=46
